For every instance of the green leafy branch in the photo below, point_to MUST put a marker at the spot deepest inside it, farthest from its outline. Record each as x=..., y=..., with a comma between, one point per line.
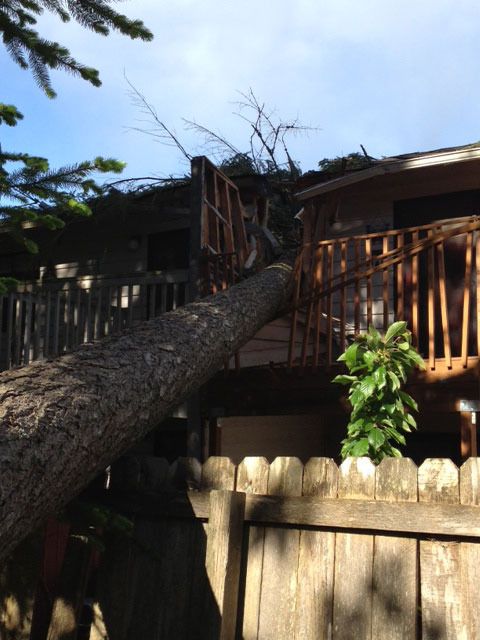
x=381, y=411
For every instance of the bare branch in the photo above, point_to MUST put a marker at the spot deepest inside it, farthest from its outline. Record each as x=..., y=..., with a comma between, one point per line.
x=146, y=108
x=211, y=137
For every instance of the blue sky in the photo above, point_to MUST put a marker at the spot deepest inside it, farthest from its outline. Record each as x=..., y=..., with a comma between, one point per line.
x=393, y=76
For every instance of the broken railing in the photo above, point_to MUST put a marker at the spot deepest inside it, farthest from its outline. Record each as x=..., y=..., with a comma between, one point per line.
x=427, y=275
x=219, y=242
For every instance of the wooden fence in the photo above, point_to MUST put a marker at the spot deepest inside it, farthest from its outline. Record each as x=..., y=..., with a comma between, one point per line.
x=296, y=551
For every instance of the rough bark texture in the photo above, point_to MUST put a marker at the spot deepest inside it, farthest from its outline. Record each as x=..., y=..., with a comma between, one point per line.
x=64, y=420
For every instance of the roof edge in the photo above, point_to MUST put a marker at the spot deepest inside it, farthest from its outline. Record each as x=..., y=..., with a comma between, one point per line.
x=392, y=165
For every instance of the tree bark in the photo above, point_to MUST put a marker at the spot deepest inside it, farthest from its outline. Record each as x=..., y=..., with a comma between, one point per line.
x=62, y=421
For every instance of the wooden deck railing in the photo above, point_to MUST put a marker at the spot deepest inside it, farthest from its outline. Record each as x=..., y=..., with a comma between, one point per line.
x=44, y=319
x=427, y=275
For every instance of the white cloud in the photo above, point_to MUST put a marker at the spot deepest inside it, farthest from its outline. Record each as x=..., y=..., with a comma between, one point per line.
x=395, y=76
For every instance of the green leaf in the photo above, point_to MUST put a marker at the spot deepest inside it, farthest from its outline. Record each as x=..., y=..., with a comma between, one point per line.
x=408, y=400
x=369, y=358
x=394, y=330
x=395, y=382
x=360, y=448
x=376, y=438
x=344, y=379
x=379, y=377
x=367, y=386
x=404, y=346
x=411, y=420
x=351, y=355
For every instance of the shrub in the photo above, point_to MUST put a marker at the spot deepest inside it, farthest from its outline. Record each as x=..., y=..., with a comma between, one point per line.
x=378, y=366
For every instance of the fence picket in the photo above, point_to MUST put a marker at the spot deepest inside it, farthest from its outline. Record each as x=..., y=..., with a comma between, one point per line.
x=442, y=615
x=278, y=596
x=252, y=477
x=470, y=551
x=313, y=612
x=395, y=559
x=352, y=598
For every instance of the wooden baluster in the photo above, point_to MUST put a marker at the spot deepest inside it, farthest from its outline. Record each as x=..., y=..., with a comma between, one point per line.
x=415, y=282
x=28, y=329
x=443, y=304
x=87, y=336
x=48, y=313
x=213, y=219
x=296, y=301
x=320, y=285
x=77, y=315
x=308, y=318
x=329, y=305
x=3, y=311
x=229, y=238
x=343, y=295
x=400, y=300
x=130, y=305
x=18, y=329
x=477, y=265
x=151, y=308
x=118, y=318
x=67, y=316
x=175, y=302
x=385, y=286
x=56, y=325
x=97, y=329
x=368, y=260
x=466, y=299
x=108, y=310
x=37, y=325
x=356, y=295
x=431, y=303
x=11, y=311
x=163, y=297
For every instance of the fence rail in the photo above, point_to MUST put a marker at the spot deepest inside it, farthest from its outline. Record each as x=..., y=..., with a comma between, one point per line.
x=46, y=319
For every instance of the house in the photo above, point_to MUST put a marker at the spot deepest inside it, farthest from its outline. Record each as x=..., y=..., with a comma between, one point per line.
x=396, y=239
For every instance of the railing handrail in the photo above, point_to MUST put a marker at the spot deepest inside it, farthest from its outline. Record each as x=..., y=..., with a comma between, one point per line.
x=395, y=232
x=175, y=276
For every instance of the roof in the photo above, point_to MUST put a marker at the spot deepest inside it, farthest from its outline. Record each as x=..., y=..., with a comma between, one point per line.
x=395, y=164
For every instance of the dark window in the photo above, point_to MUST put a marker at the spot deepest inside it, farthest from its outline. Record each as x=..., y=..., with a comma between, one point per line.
x=168, y=250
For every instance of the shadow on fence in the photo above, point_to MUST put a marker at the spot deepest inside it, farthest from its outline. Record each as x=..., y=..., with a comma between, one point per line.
x=309, y=551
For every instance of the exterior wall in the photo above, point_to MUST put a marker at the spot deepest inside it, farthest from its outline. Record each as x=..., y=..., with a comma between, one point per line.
x=271, y=436
x=367, y=207
x=111, y=245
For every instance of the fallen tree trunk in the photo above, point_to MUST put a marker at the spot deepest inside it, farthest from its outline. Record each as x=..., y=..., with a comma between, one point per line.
x=63, y=421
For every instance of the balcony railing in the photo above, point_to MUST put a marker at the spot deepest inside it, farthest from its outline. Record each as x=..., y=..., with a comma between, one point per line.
x=427, y=275
x=45, y=319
